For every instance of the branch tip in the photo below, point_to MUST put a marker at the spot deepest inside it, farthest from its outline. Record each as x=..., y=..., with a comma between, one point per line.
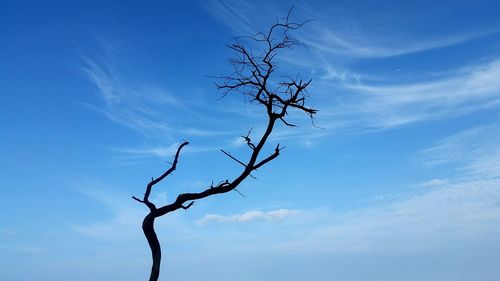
x=188, y=206
x=137, y=199
x=239, y=192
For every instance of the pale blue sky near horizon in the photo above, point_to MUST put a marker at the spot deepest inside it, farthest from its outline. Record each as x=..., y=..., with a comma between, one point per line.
x=401, y=182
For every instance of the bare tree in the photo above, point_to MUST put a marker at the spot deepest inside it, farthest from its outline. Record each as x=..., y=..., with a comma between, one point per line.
x=252, y=77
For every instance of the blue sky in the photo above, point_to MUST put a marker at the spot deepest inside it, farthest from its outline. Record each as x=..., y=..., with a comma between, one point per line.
x=402, y=181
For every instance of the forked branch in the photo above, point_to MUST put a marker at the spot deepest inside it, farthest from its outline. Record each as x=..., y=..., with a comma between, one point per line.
x=154, y=181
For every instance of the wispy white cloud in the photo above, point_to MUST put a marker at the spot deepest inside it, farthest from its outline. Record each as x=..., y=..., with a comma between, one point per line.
x=136, y=107
x=335, y=73
x=123, y=219
x=250, y=216
x=428, y=220
x=147, y=108
x=160, y=116
x=331, y=33
x=424, y=222
x=366, y=45
x=474, y=152
x=379, y=106
x=169, y=150
x=158, y=151
x=123, y=216
x=435, y=183
x=31, y=250
x=442, y=213
x=239, y=15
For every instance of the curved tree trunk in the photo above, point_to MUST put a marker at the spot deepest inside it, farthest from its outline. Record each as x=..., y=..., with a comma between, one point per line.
x=154, y=244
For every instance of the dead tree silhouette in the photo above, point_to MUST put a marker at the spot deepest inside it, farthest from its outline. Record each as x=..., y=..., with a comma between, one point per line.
x=253, y=77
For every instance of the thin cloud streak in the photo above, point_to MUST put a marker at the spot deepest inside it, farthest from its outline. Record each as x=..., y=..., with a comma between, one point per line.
x=386, y=106
x=439, y=217
x=324, y=36
x=474, y=153
x=131, y=107
x=143, y=108
x=364, y=46
x=250, y=216
x=161, y=151
x=123, y=222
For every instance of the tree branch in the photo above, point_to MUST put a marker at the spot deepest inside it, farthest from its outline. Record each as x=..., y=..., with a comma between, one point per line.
x=153, y=181
x=248, y=140
x=232, y=157
x=275, y=154
x=137, y=199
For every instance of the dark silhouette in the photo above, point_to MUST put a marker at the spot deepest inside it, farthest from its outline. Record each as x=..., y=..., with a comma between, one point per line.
x=252, y=77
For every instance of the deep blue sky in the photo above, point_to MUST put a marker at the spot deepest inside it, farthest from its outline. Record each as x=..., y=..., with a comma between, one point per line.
x=400, y=183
